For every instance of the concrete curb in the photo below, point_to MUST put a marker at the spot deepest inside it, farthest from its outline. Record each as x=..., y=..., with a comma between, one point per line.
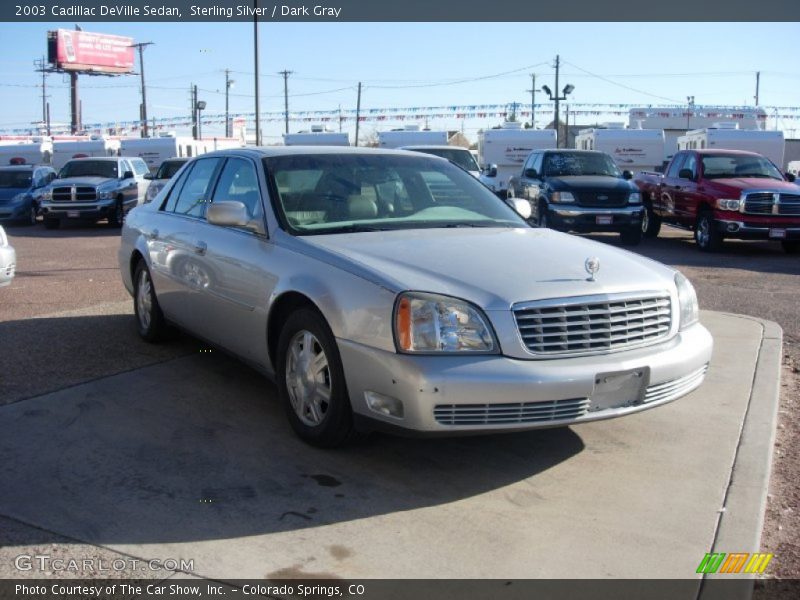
x=742, y=520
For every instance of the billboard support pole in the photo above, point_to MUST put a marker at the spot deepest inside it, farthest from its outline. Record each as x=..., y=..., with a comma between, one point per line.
x=73, y=97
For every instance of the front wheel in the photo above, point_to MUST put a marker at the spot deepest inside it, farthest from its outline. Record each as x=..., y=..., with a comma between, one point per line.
x=117, y=217
x=542, y=217
x=791, y=246
x=311, y=381
x=31, y=216
x=149, y=318
x=707, y=236
x=651, y=223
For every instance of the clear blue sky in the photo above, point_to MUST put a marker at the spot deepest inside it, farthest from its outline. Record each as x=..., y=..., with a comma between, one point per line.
x=637, y=63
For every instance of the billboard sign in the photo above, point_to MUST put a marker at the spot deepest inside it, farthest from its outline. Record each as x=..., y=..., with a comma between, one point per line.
x=70, y=50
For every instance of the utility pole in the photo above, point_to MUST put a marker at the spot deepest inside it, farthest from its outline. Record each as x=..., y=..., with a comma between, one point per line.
x=228, y=83
x=286, y=97
x=533, y=100
x=75, y=122
x=758, y=81
x=568, y=89
x=566, y=131
x=340, y=118
x=255, y=51
x=40, y=63
x=358, y=111
x=194, y=112
x=690, y=104
x=141, y=46
x=556, y=123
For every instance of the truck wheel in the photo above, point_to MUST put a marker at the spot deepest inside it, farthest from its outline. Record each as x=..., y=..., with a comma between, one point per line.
x=542, y=218
x=791, y=246
x=51, y=223
x=651, y=223
x=631, y=236
x=116, y=218
x=311, y=382
x=707, y=236
x=149, y=318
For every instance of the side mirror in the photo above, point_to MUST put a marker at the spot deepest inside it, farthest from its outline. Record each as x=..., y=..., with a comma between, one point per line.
x=685, y=174
x=531, y=173
x=627, y=174
x=128, y=175
x=491, y=171
x=522, y=207
x=790, y=177
x=230, y=213
x=149, y=176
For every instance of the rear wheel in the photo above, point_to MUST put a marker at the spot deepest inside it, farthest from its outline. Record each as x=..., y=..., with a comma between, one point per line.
x=311, y=381
x=707, y=236
x=791, y=246
x=149, y=318
x=51, y=223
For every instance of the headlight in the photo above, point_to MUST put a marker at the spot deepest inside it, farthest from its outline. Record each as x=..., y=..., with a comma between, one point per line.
x=429, y=323
x=47, y=194
x=152, y=192
x=106, y=195
x=635, y=198
x=728, y=204
x=562, y=197
x=687, y=301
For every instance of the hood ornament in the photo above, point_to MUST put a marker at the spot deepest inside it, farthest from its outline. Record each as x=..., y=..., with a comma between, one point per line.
x=592, y=266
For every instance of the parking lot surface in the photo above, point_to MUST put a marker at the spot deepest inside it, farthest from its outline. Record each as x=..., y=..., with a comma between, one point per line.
x=219, y=477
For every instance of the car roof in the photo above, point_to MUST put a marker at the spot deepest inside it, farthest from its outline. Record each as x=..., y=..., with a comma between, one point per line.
x=432, y=147
x=270, y=151
x=20, y=167
x=705, y=151
x=103, y=158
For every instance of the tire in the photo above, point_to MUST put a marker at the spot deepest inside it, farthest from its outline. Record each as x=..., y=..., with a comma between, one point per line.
x=706, y=235
x=542, y=218
x=631, y=236
x=791, y=246
x=651, y=223
x=51, y=223
x=311, y=381
x=117, y=218
x=150, y=321
x=31, y=218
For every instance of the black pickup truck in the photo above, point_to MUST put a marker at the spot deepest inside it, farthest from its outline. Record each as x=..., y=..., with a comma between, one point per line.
x=580, y=190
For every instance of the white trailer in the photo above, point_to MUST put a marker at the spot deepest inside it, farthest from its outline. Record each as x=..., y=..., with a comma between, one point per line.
x=37, y=152
x=506, y=149
x=65, y=150
x=632, y=149
x=411, y=135
x=727, y=136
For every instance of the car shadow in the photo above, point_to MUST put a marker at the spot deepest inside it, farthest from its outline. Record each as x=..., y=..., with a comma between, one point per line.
x=198, y=448
x=68, y=229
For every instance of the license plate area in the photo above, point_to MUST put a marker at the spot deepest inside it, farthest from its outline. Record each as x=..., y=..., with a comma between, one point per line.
x=618, y=389
x=73, y=214
x=778, y=234
x=604, y=219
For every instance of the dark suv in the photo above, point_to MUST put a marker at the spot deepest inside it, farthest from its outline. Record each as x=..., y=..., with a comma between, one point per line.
x=580, y=190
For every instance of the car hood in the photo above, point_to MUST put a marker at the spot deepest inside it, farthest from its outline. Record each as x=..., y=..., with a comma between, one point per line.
x=86, y=181
x=589, y=182
x=493, y=268
x=753, y=183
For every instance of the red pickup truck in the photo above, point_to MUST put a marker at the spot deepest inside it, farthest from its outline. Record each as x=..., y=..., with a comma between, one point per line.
x=722, y=194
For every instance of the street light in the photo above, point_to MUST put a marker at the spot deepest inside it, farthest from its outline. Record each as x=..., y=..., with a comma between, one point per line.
x=568, y=89
x=200, y=106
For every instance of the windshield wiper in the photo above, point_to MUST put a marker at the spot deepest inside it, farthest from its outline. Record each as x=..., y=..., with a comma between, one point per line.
x=354, y=228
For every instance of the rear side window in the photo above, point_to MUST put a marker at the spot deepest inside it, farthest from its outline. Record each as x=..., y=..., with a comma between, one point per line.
x=196, y=189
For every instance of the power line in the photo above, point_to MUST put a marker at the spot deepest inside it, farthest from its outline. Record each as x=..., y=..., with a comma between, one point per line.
x=627, y=87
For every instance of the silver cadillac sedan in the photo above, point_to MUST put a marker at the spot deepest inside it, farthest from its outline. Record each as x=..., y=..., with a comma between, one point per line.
x=391, y=290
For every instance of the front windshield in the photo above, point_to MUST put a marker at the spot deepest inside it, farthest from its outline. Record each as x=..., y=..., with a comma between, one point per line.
x=16, y=179
x=89, y=168
x=722, y=166
x=559, y=164
x=338, y=193
x=168, y=168
x=463, y=158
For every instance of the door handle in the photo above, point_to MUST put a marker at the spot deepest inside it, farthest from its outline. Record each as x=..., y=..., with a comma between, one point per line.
x=200, y=247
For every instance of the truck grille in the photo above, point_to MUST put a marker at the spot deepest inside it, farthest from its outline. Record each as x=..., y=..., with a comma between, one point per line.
x=591, y=325
x=510, y=413
x=768, y=203
x=82, y=194
x=601, y=199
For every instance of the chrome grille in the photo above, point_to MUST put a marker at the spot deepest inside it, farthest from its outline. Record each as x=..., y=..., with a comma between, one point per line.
x=82, y=194
x=675, y=388
x=768, y=203
x=583, y=326
x=510, y=413
x=601, y=199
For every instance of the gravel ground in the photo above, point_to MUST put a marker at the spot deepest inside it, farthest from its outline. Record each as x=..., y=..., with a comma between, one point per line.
x=69, y=319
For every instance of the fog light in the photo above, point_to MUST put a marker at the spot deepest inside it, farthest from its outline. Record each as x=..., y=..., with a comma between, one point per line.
x=733, y=227
x=384, y=405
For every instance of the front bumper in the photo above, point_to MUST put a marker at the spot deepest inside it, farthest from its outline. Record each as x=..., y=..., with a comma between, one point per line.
x=510, y=394
x=77, y=210
x=587, y=219
x=744, y=230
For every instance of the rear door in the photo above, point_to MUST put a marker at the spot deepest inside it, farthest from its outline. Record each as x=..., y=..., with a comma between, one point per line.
x=664, y=204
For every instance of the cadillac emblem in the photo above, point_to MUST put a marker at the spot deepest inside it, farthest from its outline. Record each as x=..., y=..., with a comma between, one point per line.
x=592, y=266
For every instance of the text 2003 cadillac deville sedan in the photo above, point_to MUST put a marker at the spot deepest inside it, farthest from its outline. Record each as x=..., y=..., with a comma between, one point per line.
x=387, y=288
